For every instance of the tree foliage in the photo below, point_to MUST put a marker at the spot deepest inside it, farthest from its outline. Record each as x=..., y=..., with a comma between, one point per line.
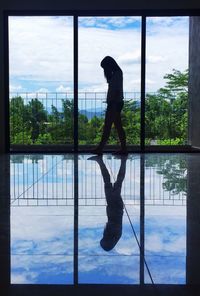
x=166, y=117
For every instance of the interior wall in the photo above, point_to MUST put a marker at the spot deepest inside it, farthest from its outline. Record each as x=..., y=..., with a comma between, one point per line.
x=193, y=223
x=2, y=90
x=194, y=82
x=75, y=5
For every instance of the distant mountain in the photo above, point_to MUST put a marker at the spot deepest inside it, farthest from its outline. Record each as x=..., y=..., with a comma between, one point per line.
x=90, y=113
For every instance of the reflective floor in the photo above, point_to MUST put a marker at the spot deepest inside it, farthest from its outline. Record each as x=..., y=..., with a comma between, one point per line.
x=88, y=222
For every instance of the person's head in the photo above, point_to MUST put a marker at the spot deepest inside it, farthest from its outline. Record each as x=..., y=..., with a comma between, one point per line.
x=109, y=66
x=111, y=235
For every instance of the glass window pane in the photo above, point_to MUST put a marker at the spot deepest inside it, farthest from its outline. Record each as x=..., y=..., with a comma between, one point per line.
x=165, y=218
x=108, y=212
x=167, y=80
x=120, y=38
x=42, y=219
x=41, y=80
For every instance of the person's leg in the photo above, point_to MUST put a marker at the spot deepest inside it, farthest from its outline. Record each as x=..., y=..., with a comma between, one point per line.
x=104, y=171
x=109, y=119
x=120, y=131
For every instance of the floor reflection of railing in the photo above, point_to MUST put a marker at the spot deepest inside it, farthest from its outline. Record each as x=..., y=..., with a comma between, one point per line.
x=39, y=180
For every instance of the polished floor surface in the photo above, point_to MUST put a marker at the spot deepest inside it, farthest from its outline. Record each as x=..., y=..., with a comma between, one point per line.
x=89, y=224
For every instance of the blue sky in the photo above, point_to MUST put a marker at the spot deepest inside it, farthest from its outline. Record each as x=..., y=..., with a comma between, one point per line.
x=111, y=23
x=41, y=51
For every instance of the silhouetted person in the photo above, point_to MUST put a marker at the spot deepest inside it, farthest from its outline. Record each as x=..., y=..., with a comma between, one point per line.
x=114, y=210
x=114, y=77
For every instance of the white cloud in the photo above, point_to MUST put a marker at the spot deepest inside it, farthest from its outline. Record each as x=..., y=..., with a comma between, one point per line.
x=121, y=22
x=42, y=50
x=166, y=21
x=149, y=81
x=155, y=59
x=130, y=57
x=98, y=88
x=105, y=267
x=15, y=88
x=23, y=277
x=62, y=88
x=42, y=90
x=41, y=269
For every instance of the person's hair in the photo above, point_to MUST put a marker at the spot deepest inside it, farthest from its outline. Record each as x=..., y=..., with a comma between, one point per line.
x=109, y=66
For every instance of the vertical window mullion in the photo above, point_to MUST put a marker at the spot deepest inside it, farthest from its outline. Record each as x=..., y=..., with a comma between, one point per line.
x=6, y=105
x=143, y=76
x=142, y=147
x=75, y=84
x=142, y=219
x=75, y=150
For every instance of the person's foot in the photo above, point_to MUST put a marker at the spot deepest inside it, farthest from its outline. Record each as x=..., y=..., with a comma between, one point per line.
x=96, y=158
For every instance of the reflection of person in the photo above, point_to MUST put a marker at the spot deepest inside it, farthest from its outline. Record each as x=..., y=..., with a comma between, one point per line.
x=114, y=209
x=114, y=77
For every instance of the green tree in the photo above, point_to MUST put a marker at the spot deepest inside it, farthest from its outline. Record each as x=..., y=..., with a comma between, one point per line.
x=173, y=170
x=19, y=132
x=68, y=120
x=35, y=117
x=167, y=111
x=166, y=118
x=95, y=129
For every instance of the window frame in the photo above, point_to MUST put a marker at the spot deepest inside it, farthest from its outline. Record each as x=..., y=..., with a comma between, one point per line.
x=144, y=14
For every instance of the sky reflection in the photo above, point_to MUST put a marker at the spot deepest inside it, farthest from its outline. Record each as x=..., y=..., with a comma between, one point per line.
x=42, y=237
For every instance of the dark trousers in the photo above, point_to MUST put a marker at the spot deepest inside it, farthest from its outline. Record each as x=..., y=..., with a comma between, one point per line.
x=113, y=115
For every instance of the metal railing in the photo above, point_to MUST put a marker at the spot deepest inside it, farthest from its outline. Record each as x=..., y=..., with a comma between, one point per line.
x=48, y=118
